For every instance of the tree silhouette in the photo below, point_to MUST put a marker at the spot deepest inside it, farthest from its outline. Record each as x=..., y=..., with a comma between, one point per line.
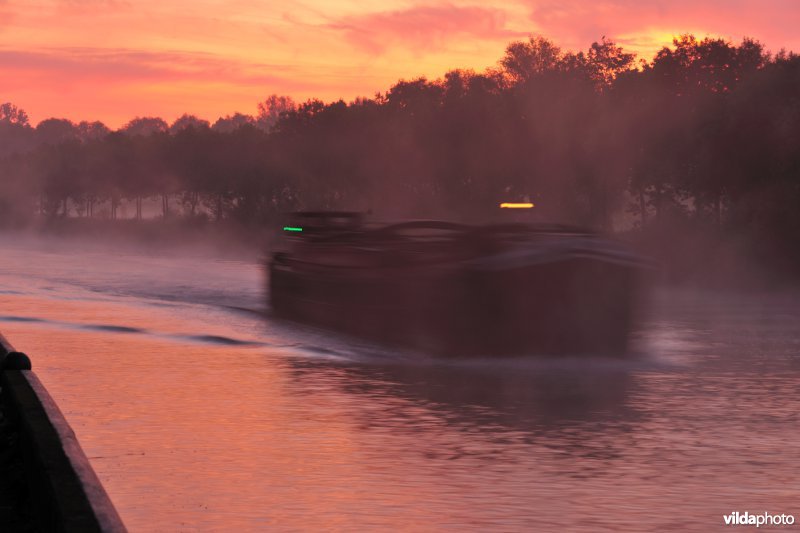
x=271, y=110
x=188, y=121
x=144, y=126
x=232, y=122
x=11, y=114
x=702, y=139
x=56, y=131
x=92, y=131
x=524, y=60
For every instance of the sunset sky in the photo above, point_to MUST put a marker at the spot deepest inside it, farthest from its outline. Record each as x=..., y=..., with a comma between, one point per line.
x=112, y=60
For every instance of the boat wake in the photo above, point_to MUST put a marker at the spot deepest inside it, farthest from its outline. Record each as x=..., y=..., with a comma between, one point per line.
x=127, y=330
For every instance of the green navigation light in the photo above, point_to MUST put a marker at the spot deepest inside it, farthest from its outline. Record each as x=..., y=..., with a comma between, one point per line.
x=291, y=228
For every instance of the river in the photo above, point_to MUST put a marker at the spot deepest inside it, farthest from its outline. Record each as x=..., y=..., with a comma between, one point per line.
x=198, y=414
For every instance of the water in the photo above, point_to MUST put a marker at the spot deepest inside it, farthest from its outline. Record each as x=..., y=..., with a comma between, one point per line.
x=200, y=415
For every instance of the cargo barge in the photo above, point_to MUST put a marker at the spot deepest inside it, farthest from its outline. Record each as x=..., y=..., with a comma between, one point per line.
x=457, y=290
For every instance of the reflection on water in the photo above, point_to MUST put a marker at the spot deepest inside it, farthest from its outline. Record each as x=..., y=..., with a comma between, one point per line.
x=200, y=415
x=513, y=394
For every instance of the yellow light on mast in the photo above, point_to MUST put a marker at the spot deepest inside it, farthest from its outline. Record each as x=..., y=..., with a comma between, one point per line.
x=510, y=205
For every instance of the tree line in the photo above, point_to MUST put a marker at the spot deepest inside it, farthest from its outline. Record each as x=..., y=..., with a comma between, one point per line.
x=706, y=134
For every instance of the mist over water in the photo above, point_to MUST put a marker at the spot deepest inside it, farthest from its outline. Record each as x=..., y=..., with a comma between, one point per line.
x=200, y=414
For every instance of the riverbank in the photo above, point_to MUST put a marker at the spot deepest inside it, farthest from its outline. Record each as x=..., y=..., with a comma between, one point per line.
x=48, y=483
x=15, y=504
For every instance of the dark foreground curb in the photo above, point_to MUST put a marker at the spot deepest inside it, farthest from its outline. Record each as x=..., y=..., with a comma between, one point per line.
x=65, y=493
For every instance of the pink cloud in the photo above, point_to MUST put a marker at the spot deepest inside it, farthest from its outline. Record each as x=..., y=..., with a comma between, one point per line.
x=6, y=14
x=75, y=66
x=114, y=85
x=423, y=28
x=578, y=23
x=91, y=7
x=92, y=4
x=9, y=12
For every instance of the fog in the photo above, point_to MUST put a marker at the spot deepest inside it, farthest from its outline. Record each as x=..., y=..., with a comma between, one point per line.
x=690, y=155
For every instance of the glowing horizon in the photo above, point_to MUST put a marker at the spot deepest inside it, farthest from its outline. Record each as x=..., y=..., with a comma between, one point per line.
x=113, y=60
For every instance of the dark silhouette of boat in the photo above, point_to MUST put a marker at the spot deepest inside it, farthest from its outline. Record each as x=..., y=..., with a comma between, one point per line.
x=458, y=290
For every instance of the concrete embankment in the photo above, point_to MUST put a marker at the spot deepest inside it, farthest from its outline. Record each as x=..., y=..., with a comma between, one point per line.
x=50, y=485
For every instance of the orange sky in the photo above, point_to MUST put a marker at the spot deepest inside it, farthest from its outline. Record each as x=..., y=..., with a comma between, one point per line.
x=111, y=60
